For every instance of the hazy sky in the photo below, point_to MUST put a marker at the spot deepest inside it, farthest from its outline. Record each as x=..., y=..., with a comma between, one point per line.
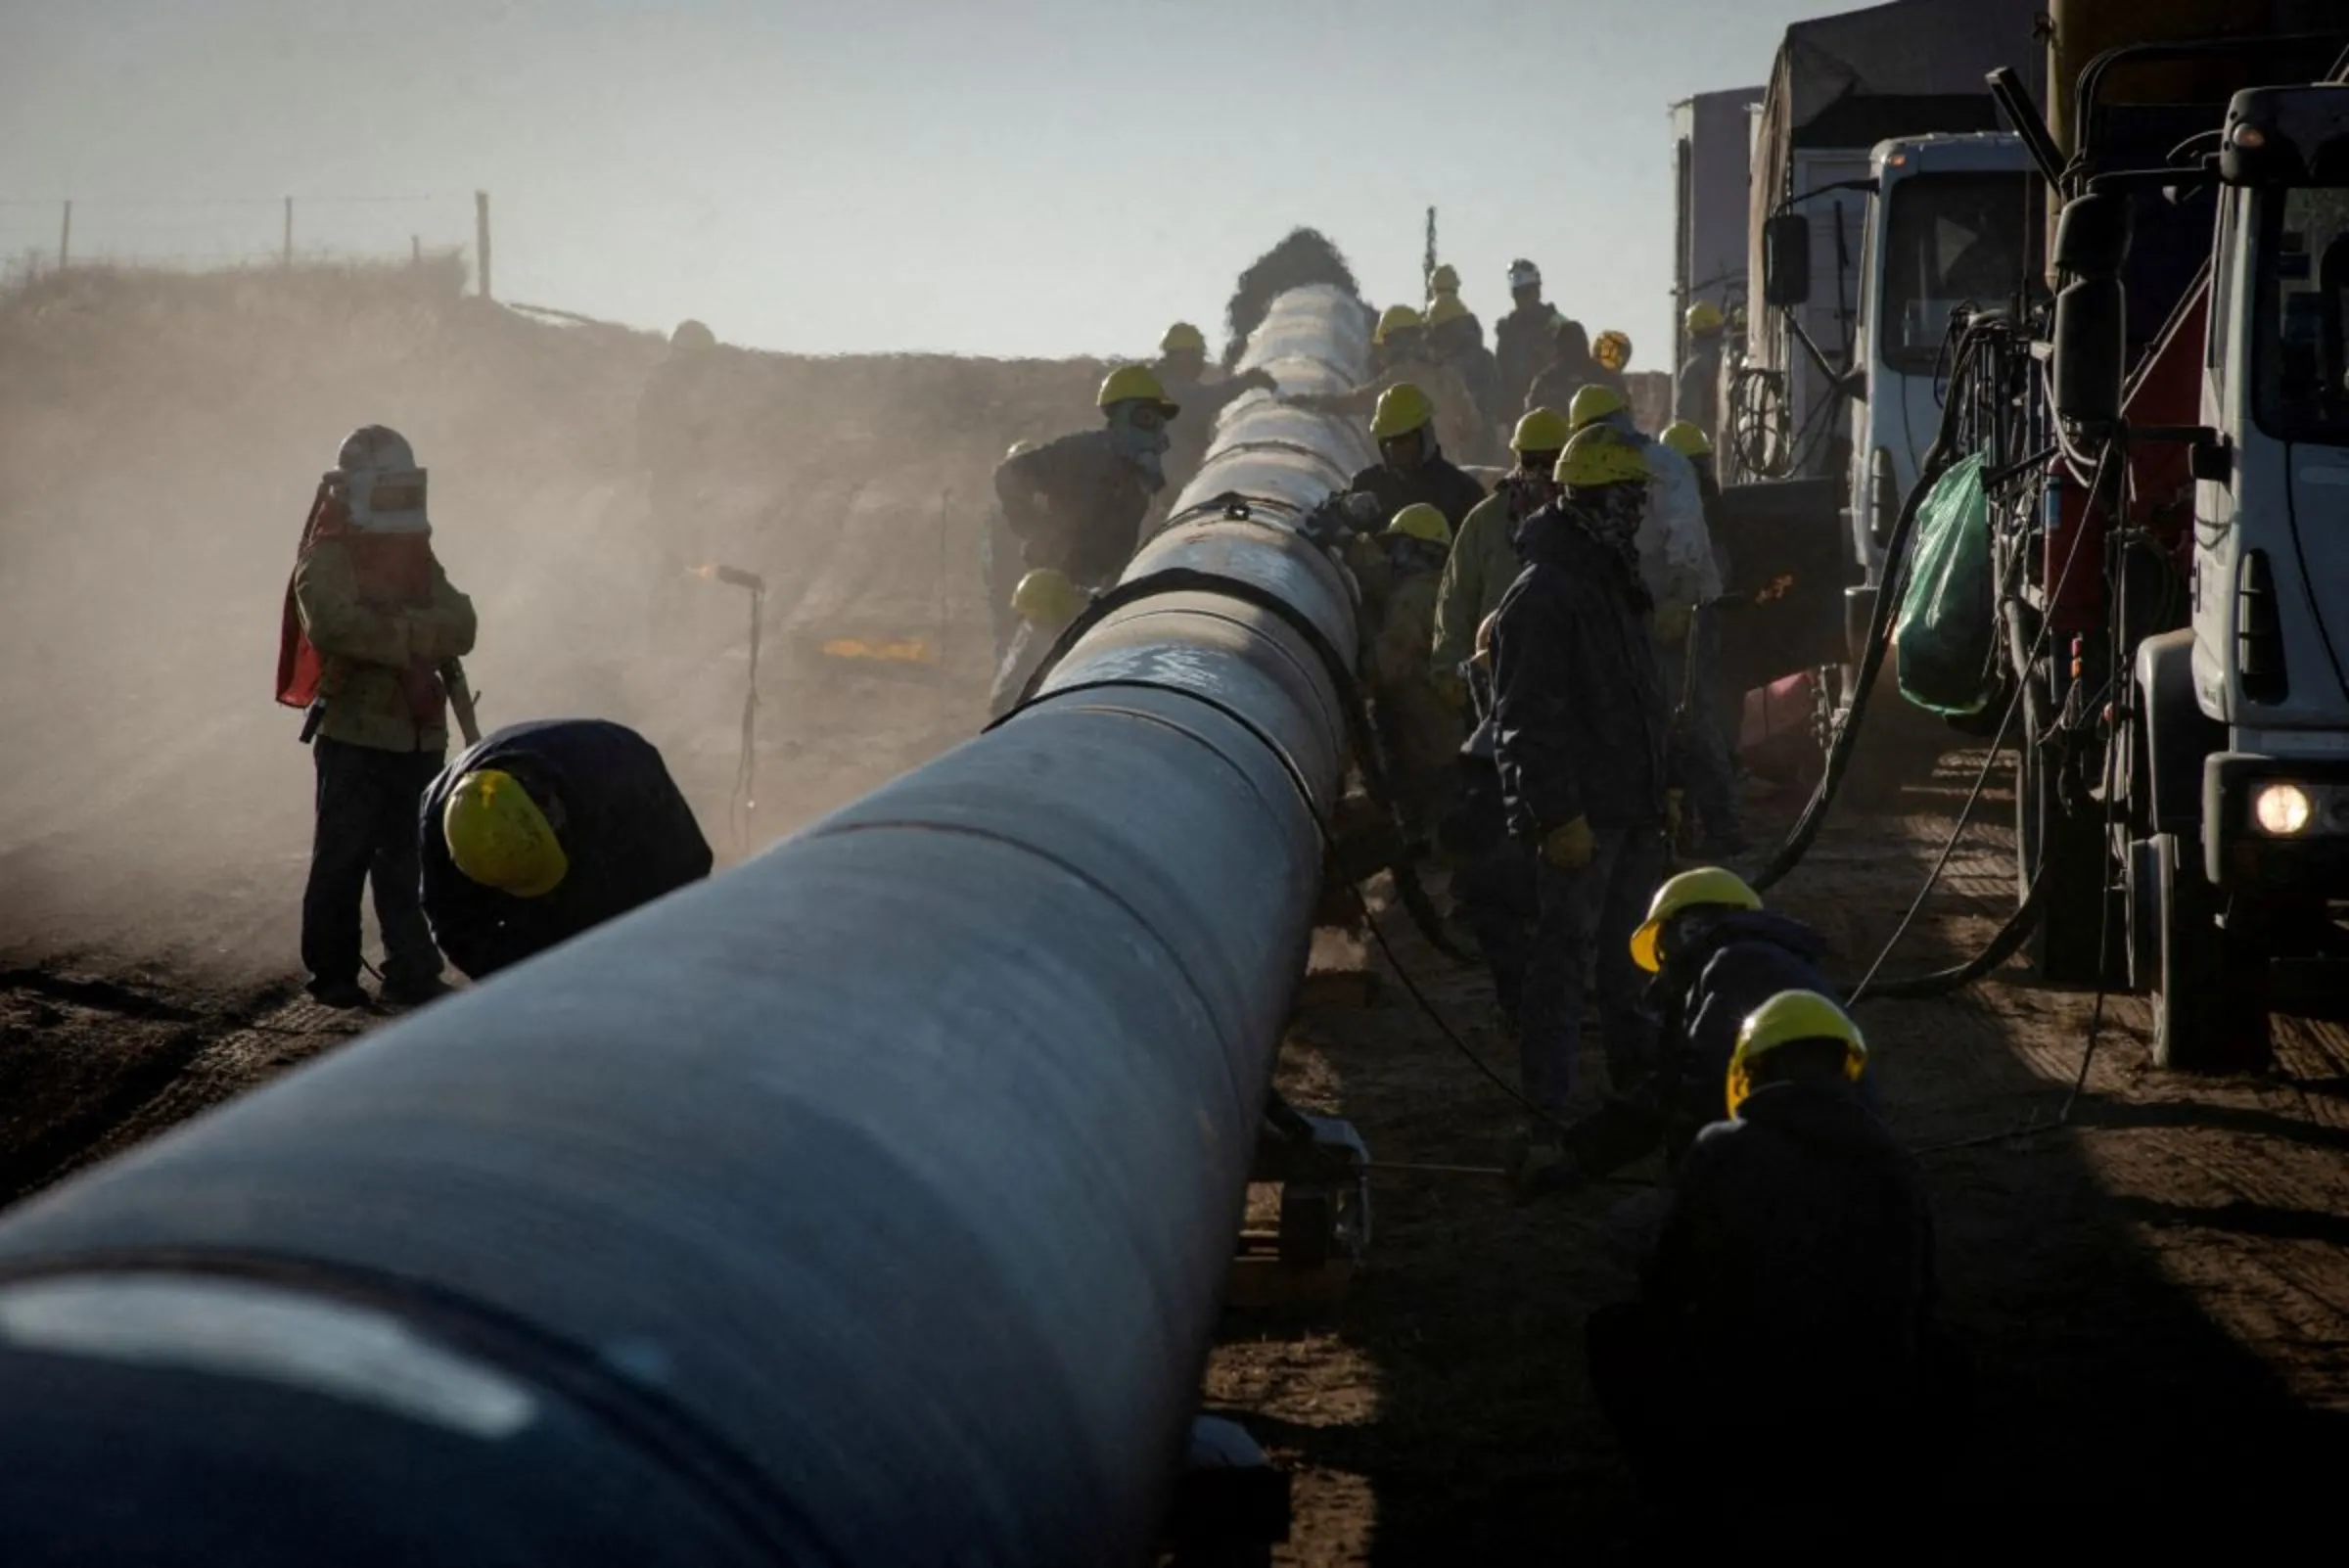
x=1045, y=178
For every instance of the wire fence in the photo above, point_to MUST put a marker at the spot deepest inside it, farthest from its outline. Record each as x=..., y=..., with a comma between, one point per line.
x=39, y=234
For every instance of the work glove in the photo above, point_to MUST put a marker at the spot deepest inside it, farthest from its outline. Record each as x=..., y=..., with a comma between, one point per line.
x=1363, y=511
x=1672, y=623
x=1570, y=845
x=1538, y=1164
x=1450, y=690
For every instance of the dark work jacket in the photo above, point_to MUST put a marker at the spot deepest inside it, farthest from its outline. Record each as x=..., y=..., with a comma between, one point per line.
x=1558, y=382
x=1735, y=962
x=1581, y=722
x=1522, y=342
x=1796, y=1263
x=1076, y=505
x=1437, y=481
x=628, y=832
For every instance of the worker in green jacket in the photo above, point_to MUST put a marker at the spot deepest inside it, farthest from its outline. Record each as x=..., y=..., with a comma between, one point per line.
x=1484, y=553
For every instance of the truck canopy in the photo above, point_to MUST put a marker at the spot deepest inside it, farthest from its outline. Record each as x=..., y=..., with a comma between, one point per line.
x=1859, y=78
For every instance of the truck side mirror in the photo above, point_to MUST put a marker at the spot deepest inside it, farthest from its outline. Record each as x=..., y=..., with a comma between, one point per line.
x=2091, y=237
x=2090, y=328
x=1787, y=260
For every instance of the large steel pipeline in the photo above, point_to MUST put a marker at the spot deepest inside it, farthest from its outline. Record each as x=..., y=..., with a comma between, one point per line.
x=870, y=1203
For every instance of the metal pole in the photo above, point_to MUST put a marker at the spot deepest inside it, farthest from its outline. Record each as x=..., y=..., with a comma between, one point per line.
x=870, y=1203
x=286, y=254
x=65, y=239
x=480, y=239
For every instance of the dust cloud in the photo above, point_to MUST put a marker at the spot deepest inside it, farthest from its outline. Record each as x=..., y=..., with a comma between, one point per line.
x=160, y=439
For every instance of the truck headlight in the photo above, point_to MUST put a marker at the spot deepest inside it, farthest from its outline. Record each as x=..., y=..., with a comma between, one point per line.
x=2282, y=809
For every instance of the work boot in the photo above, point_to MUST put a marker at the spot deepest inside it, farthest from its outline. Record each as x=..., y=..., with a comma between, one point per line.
x=342, y=995
x=415, y=992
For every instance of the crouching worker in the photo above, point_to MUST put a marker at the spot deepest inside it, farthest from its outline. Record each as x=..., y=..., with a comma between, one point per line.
x=1786, y=1318
x=1717, y=955
x=545, y=830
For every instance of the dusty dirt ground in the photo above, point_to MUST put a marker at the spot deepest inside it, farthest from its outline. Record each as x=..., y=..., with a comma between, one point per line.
x=2155, y=1295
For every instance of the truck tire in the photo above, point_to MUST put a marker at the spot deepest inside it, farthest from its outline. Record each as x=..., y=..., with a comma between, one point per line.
x=2210, y=989
x=2074, y=938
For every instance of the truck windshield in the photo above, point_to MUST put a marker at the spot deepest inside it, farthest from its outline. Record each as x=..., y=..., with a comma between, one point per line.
x=2302, y=275
x=1947, y=238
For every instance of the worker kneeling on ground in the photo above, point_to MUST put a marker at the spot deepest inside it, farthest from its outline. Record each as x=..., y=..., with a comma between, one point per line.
x=1412, y=469
x=370, y=624
x=1717, y=956
x=1046, y=603
x=545, y=830
x=1418, y=734
x=1580, y=740
x=1784, y=1336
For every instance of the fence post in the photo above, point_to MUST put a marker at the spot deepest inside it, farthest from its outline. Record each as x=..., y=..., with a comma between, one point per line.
x=480, y=238
x=65, y=239
x=416, y=250
x=286, y=258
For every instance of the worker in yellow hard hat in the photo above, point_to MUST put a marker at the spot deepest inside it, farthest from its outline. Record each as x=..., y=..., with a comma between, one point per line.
x=542, y=831
x=1613, y=350
x=1455, y=339
x=1046, y=603
x=1696, y=385
x=1484, y=554
x=1580, y=744
x=1398, y=570
x=1182, y=373
x=1413, y=465
x=1077, y=505
x=1716, y=955
x=1788, y=1310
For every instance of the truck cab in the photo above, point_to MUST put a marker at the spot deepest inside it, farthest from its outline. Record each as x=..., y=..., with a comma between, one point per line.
x=1946, y=228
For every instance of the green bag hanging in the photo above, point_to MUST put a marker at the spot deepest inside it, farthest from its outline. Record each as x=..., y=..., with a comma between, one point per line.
x=1947, y=628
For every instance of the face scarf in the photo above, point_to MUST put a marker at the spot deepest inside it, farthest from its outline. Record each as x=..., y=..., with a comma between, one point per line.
x=1142, y=445
x=1611, y=516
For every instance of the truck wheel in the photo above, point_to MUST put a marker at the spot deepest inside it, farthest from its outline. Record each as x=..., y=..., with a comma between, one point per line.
x=2210, y=989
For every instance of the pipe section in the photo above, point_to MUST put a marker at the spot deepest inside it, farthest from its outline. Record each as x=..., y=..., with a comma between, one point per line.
x=868, y=1204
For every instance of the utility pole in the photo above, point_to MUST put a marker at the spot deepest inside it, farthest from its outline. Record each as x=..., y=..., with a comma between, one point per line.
x=415, y=250
x=286, y=255
x=64, y=239
x=1427, y=267
x=480, y=238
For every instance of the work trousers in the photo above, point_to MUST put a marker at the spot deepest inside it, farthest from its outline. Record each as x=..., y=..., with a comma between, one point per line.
x=1712, y=782
x=1582, y=941
x=366, y=833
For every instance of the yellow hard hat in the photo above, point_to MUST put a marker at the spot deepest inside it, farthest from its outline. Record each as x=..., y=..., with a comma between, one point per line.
x=1444, y=307
x=1182, y=337
x=1446, y=279
x=1543, y=429
x=1047, y=598
x=1784, y=1019
x=691, y=337
x=499, y=838
x=1135, y=384
x=1401, y=409
x=1683, y=437
x=1396, y=318
x=1600, y=456
x=1708, y=886
x=1703, y=319
x=1421, y=521
x=1613, y=350
x=1591, y=404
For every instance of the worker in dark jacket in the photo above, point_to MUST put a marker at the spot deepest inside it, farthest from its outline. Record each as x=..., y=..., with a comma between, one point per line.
x=1570, y=368
x=1181, y=370
x=1582, y=745
x=1523, y=340
x=543, y=830
x=1786, y=1318
x=1492, y=880
x=1076, y=505
x=1716, y=955
x=1411, y=466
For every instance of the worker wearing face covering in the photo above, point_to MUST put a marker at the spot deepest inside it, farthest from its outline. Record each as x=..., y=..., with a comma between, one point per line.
x=370, y=622
x=1076, y=505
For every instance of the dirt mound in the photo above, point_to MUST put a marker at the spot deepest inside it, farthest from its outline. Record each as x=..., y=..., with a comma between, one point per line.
x=162, y=436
